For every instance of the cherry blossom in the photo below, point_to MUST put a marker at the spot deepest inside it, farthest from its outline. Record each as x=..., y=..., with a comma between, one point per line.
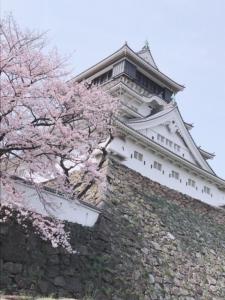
x=48, y=126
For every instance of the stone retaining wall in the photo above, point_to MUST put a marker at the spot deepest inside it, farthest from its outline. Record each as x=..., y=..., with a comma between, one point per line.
x=149, y=243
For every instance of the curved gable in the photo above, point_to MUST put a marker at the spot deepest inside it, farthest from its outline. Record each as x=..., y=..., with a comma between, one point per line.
x=168, y=129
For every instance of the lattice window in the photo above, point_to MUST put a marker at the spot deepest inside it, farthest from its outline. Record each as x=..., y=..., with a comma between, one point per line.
x=191, y=182
x=175, y=175
x=138, y=155
x=157, y=166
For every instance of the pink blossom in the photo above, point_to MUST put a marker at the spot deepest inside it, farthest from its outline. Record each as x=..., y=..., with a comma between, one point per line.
x=48, y=127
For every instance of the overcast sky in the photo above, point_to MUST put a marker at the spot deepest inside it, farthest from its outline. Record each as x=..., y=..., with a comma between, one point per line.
x=186, y=37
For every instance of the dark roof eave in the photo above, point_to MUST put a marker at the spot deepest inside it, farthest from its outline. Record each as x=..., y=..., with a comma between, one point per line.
x=189, y=125
x=126, y=51
x=206, y=153
x=149, y=67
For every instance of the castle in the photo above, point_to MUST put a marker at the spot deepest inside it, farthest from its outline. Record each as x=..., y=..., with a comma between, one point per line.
x=147, y=240
x=153, y=138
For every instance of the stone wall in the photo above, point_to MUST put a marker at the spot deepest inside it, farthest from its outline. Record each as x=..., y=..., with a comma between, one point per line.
x=149, y=243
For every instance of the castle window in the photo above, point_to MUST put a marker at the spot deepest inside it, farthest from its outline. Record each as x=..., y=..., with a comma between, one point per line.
x=169, y=143
x=138, y=155
x=176, y=147
x=157, y=166
x=102, y=78
x=152, y=87
x=160, y=138
x=206, y=190
x=191, y=182
x=175, y=175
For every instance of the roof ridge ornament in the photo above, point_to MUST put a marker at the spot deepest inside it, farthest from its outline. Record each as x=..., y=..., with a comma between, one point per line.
x=145, y=53
x=146, y=45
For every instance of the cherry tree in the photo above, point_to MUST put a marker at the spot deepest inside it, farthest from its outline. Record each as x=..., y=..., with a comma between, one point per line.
x=48, y=126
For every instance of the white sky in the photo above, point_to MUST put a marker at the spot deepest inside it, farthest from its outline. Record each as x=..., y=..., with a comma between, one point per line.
x=186, y=37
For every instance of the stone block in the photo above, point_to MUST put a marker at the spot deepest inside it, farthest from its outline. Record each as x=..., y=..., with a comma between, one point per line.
x=59, y=281
x=13, y=268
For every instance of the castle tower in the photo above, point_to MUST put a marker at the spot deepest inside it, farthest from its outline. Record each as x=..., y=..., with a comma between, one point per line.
x=154, y=139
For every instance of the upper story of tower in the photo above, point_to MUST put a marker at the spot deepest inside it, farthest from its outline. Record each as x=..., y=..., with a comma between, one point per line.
x=146, y=95
x=137, y=70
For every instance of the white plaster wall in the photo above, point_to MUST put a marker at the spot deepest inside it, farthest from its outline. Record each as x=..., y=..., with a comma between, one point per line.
x=216, y=198
x=141, y=108
x=56, y=206
x=162, y=129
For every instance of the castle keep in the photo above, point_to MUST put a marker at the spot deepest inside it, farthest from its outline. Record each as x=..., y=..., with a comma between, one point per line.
x=158, y=231
x=154, y=139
